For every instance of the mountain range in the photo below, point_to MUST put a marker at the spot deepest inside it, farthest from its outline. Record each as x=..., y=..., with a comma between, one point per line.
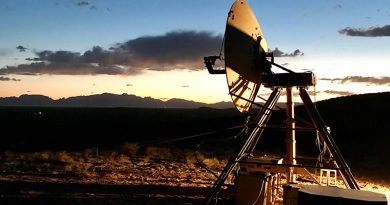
x=106, y=100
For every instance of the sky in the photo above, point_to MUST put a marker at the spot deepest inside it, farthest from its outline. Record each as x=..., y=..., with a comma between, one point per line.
x=63, y=48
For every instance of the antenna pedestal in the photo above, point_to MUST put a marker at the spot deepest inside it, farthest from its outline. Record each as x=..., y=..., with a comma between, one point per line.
x=290, y=135
x=256, y=129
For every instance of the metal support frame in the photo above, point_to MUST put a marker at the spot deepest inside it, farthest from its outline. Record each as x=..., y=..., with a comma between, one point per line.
x=341, y=164
x=257, y=128
x=290, y=135
x=247, y=144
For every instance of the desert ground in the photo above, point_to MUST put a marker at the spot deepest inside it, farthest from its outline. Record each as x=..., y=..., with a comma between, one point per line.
x=129, y=175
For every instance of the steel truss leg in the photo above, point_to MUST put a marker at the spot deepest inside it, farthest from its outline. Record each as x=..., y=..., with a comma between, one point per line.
x=248, y=144
x=341, y=164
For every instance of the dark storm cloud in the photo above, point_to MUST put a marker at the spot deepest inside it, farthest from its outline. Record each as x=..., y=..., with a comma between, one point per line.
x=177, y=49
x=368, y=32
x=360, y=79
x=21, y=48
x=174, y=50
x=58, y=56
x=8, y=79
x=40, y=68
x=279, y=53
x=92, y=62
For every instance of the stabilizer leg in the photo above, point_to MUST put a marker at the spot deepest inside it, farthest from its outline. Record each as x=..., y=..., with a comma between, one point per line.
x=341, y=164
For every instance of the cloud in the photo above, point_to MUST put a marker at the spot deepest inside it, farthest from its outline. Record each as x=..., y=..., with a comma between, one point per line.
x=173, y=50
x=21, y=48
x=360, y=79
x=56, y=68
x=8, y=79
x=83, y=3
x=92, y=62
x=335, y=92
x=368, y=32
x=5, y=51
x=279, y=53
x=338, y=6
x=331, y=92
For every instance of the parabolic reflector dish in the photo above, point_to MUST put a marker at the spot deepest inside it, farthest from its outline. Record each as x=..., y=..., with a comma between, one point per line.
x=245, y=51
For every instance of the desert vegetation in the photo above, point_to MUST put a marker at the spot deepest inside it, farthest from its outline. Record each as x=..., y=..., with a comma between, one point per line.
x=130, y=164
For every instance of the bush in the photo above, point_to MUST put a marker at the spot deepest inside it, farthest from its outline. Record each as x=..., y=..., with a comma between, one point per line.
x=63, y=156
x=130, y=148
x=158, y=152
x=211, y=163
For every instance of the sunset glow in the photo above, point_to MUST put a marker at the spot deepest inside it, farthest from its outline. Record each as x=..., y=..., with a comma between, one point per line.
x=146, y=49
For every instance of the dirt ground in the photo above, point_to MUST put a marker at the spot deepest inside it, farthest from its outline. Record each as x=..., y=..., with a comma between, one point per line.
x=114, y=178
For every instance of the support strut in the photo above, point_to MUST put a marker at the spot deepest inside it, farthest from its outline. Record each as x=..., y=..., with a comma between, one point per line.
x=247, y=144
x=341, y=164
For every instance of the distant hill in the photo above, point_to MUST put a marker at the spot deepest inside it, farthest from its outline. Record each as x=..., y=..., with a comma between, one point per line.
x=358, y=120
x=359, y=124
x=106, y=100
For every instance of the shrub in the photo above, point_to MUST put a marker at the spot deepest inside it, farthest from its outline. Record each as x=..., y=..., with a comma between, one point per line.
x=211, y=163
x=63, y=156
x=10, y=155
x=87, y=153
x=190, y=160
x=158, y=152
x=123, y=159
x=130, y=148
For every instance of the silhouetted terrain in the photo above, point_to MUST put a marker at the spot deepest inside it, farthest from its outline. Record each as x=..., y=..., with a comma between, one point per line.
x=106, y=100
x=37, y=128
x=359, y=124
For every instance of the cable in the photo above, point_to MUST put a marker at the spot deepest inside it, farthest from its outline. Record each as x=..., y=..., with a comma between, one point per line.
x=323, y=150
x=280, y=110
x=214, y=140
x=220, y=51
x=170, y=140
x=261, y=189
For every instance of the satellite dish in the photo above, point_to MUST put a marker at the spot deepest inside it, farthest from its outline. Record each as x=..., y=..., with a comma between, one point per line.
x=247, y=67
x=245, y=51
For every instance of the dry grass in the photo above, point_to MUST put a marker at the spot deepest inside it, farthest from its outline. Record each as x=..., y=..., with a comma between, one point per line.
x=84, y=164
x=211, y=163
x=158, y=152
x=130, y=148
x=118, y=166
x=64, y=157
